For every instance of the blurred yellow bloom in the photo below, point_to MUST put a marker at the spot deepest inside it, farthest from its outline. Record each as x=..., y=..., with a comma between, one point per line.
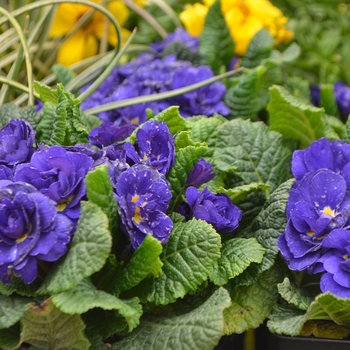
x=244, y=19
x=84, y=42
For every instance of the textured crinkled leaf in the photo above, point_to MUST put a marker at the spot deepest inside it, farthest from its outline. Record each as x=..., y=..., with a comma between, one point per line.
x=18, y=286
x=63, y=74
x=12, y=309
x=242, y=98
x=90, y=121
x=200, y=329
x=293, y=118
x=259, y=48
x=173, y=119
x=188, y=258
x=251, y=305
x=294, y=295
x=10, y=111
x=46, y=93
x=99, y=191
x=299, y=88
x=185, y=160
x=46, y=327
x=236, y=255
x=325, y=330
x=239, y=193
x=144, y=260
x=85, y=296
x=10, y=337
x=52, y=127
x=87, y=253
x=257, y=153
x=183, y=140
x=267, y=226
x=205, y=129
x=215, y=42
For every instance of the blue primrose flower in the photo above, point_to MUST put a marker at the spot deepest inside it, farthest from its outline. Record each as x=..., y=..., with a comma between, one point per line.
x=336, y=263
x=154, y=146
x=202, y=173
x=318, y=204
x=16, y=142
x=143, y=197
x=216, y=209
x=333, y=155
x=59, y=174
x=31, y=229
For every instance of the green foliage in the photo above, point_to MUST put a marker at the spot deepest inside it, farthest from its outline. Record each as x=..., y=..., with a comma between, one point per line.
x=259, y=49
x=10, y=337
x=12, y=309
x=242, y=98
x=327, y=99
x=257, y=153
x=295, y=119
x=240, y=193
x=46, y=327
x=10, y=111
x=236, y=255
x=188, y=258
x=200, y=329
x=63, y=74
x=215, y=42
x=173, y=119
x=88, y=251
x=46, y=93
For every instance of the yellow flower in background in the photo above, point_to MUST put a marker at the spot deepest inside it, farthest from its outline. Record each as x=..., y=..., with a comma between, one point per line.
x=84, y=42
x=244, y=19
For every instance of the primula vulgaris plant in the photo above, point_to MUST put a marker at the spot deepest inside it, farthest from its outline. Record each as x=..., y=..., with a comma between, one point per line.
x=117, y=234
x=317, y=240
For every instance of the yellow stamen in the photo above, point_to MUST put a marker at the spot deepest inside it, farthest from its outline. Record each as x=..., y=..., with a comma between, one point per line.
x=22, y=238
x=135, y=198
x=62, y=206
x=137, y=216
x=327, y=210
x=310, y=233
x=346, y=257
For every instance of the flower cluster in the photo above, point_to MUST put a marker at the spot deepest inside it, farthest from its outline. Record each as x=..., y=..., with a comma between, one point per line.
x=151, y=73
x=317, y=235
x=244, y=19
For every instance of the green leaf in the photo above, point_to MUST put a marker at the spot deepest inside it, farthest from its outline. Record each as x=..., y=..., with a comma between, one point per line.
x=172, y=117
x=294, y=295
x=251, y=305
x=10, y=337
x=10, y=111
x=240, y=193
x=182, y=52
x=142, y=263
x=215, y=42
x=12, y=309
x=188, y=258
x=200, y=329
x=236, y=255
x=242, y=98
x=46, y=327
x=46, y=93
x=90, y=121
x=85, y=297
x=291, y=53
x=267, y=226
x=88, y=251
x=63, y=74
x=259, y=48
x=186, y=158
x=18, y=286
x=328, y=101
x=295, y=119
x=335, y=129
x=205, y=129
x=99, y=191
x=257, y=153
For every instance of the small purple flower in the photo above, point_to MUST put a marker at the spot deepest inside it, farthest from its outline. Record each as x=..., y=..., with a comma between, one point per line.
x=59, y=174
x=108, y=133
x=143, y=197
x=336, y=263
x=217, y=210
x=318, y=204
x=202, y=173
x=333, y=155
x=16, y=142
x=154, y=146
x=30, y=230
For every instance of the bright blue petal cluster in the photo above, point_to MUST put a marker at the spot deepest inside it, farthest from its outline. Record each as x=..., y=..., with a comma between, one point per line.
x=31, y=229
x=216, y=209
x=150, y=73
x=143, y=196
x=154, y=146
x=317, y=235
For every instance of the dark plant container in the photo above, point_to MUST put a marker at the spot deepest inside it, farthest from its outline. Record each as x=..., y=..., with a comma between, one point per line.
x=309, y=343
